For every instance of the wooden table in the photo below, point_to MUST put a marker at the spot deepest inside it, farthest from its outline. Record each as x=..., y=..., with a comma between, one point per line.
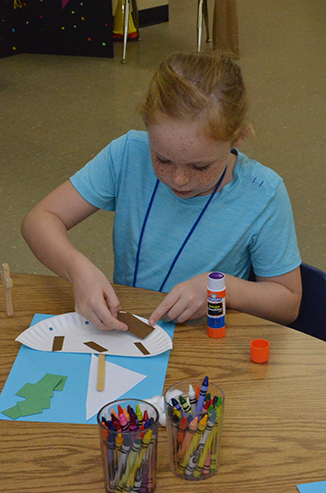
x=274, y=434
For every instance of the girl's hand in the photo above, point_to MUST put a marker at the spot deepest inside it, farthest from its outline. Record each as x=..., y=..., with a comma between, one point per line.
x=186, y=301
x=95, y=298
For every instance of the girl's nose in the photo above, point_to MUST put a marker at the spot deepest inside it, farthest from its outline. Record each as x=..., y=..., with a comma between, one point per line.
x=181, y=176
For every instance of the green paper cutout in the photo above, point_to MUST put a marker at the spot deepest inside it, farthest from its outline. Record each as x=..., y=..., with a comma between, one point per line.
x=37, y=396
x=29, y=406
x=12, y=412
x=61, y=384
x=45, y=402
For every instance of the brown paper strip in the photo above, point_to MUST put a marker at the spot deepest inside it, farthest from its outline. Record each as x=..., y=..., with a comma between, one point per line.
x=135, y=326
x=141, y=348
x=101, y=372
x=58, y=343
x=95, y=346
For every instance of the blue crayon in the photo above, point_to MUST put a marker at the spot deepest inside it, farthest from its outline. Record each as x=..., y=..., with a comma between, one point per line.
x=110, y=451
x=202, y=394
x=175, y=403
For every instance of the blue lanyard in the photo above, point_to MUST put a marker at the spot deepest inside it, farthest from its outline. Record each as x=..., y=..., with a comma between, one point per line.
x=187, y=237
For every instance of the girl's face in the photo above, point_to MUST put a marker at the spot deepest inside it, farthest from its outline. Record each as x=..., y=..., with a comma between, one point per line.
x=185, y=159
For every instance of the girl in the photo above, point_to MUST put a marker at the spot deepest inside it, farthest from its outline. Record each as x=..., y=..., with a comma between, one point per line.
x=186, y=202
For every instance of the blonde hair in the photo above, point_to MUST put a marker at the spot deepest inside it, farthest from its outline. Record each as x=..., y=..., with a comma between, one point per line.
x=196, y=85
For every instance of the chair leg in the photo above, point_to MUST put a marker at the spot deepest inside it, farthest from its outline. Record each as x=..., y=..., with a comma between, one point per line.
x=135, y=16
x=205, y=14
x=199, y=23
x=125, y=29
x=202, y=13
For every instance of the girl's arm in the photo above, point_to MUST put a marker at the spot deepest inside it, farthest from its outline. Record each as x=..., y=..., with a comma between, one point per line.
x=273, y=298
x=46, y=228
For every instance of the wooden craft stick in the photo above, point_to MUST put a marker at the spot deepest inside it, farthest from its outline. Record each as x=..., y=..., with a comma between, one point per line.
x=8, y=284
x=101, y=372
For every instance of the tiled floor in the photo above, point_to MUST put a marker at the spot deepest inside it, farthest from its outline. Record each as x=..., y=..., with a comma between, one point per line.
x=57, y=112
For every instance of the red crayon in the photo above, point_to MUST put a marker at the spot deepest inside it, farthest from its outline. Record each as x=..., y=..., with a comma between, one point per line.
x=116, y=423
x=133, y=423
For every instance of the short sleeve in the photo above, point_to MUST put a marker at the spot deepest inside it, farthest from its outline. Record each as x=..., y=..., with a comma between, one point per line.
x=97, y=181
x=274, y=250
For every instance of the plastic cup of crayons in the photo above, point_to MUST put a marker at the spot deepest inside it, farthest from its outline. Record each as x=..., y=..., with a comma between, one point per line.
x=128, y=431
x=194, y=413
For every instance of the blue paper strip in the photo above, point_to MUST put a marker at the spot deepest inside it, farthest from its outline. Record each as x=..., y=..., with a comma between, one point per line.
x=318, y=487
x=69, y=406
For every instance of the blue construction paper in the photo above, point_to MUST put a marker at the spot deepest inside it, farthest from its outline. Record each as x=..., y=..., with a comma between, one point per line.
x=318, y=487
x=69, y=406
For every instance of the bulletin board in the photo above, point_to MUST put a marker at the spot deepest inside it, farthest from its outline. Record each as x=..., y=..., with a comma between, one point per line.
x=61, y=27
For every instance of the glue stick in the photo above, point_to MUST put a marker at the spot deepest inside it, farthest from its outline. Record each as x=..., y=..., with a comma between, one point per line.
x=216, y=305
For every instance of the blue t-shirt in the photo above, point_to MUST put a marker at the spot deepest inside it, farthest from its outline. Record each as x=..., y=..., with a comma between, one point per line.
x=248, y=223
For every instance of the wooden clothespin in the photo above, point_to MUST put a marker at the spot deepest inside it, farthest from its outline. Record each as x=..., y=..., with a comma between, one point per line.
x=8, y=284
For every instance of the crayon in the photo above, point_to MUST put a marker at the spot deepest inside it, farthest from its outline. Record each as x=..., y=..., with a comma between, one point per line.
x=192, y=398
x=207, y=464
x=181, y=430
x=151, y=469
x=176, y=404
x=126, y=415
x=140, y=462
x=123, y=457
x=197, y=392
x=192, y=445
x=202, y=394
x=143, y=488
x=123, y=423
x=130, y=462
x=118, y=446
x=195, y=457
x=184, y=404
x=190, y=431
x=110, y=452
x=116, y=423
x=203, y=455
x=133, y=426
x=139, y=415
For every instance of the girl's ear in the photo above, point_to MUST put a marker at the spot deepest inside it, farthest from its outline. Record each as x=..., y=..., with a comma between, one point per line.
x=244, y=134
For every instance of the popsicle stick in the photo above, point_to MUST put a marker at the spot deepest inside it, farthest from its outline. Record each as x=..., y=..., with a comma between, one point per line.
x=8, y=284
x=101, y=372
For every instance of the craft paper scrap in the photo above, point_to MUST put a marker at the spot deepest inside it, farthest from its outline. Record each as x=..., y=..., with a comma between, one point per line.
x=70, y=406
x=72, y=333
x=118, y=381
x=37, y=396
x=317, y=487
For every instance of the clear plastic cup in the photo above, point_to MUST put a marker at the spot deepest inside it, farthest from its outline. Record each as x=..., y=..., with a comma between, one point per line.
x=129, y=456
x=194, y=437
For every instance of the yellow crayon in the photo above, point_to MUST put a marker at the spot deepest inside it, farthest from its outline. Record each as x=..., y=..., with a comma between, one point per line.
x=206, y=450
x=193, y=444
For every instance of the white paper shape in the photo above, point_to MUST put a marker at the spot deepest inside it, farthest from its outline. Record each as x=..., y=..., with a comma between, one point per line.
x=77, y=331
x=118, y=381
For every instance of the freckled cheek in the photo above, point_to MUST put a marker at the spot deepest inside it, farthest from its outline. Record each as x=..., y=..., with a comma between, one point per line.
x=205, y=178
x=159, y=170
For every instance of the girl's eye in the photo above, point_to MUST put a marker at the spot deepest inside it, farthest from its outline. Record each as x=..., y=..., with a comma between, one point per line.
x=162, y=161
x=202, y=168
